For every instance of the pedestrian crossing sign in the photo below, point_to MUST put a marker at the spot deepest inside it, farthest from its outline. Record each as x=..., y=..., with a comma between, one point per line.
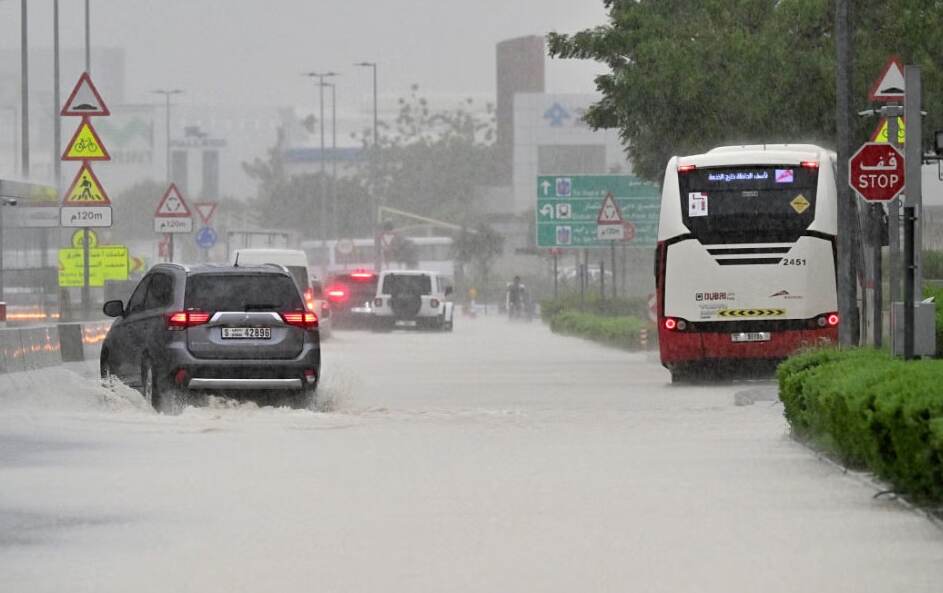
x=86, y=190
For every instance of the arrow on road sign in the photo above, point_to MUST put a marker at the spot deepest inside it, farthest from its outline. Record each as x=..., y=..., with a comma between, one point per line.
x=86, y=190
x=86, y=145
x=546, y=185
x=206, y=211
x=172, y=205
x=889, y=86
x=85, y=99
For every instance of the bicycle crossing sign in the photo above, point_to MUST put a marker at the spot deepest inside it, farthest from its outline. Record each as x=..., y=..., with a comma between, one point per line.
x=86, y=145
x=86, y=190
x=85, y=99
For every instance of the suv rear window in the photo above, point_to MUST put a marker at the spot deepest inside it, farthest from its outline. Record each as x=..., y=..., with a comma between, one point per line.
x=416, y=284
x=242, y=292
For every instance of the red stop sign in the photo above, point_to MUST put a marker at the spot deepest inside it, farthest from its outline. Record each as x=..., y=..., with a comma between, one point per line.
x=876, y=171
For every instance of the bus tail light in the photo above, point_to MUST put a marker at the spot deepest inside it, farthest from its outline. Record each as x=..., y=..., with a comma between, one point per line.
x=809, y=164
x=686, y=168
x=675, y=324
x=828, y=320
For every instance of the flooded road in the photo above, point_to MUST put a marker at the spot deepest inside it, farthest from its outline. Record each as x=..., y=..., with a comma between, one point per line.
x=497, y=458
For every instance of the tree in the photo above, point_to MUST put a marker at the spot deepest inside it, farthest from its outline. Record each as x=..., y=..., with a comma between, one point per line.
x=687, y=75
x=431, y=161
x=479, y=248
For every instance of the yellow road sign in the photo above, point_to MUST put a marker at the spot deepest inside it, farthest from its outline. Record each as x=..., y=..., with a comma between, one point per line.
x=86, y=145
x=800, y=204
x=109, y=262
x=880, y=133
x=86, y=190
x=92, y=239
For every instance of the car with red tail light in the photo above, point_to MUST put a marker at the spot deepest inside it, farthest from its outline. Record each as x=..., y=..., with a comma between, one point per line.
x=244, y=332
x=350, y=296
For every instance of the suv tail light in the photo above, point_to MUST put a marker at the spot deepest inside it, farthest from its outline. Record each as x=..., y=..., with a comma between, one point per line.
x=181, y=320
x=302, y=319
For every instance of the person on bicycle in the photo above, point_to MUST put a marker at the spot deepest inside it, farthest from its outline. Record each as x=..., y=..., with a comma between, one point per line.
x=516, y=298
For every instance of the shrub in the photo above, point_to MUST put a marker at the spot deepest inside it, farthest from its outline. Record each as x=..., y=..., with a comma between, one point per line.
x=871, y=411
x=622, y=332
x=609, y=307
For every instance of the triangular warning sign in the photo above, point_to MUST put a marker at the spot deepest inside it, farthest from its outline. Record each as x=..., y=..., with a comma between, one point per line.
x=205, y=210
x=85, y=99
x=609, y=213
x=86, y=145
x=86, y=190
x=172, y=205
x=889, y=86
x=881, y=131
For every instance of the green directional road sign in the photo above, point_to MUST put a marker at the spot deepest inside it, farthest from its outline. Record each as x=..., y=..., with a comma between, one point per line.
x=568, y=206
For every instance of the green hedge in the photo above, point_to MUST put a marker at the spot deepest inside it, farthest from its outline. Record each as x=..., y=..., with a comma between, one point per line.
x=621, y=332
x=591, y=303
x=871, y=411
x=937, y=292
x=933, y=264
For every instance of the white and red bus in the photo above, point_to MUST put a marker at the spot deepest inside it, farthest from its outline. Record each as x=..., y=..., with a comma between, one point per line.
x=745, y=267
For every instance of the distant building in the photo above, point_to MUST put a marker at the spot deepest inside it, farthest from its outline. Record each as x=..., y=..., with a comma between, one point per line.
x=520, y=68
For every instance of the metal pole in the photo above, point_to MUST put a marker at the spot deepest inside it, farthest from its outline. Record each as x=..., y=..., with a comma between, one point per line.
x=323, y=198
x=602, y=279
x=893, y=235
x=909, y=219
x=612, y=253
x=849, y=328
x=56, y=127
x=24, y=91
x=88, y=39
x=334, y=160
x=913, y=153
x=877, y=295
x=86, y=281
x=556, y=275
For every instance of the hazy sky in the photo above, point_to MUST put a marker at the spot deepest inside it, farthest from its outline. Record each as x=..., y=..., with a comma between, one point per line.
x=251, y=52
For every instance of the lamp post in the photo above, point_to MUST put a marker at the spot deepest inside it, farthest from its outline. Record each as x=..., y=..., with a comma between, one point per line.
x=333, y=219
x=24, y=90
x=167, y=93
x=321, y=76
x=377, y=253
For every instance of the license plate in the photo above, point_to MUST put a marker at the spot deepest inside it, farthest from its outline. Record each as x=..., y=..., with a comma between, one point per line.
x=247, y=333
x=406, y=323
x=750, y=337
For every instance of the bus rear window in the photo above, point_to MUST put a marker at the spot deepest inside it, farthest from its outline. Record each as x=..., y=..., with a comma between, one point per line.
x=768, y=204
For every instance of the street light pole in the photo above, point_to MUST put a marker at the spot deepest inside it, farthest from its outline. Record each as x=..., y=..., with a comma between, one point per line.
x=321, y=76
x=167, y=93
x=333, y=219
x=377, y=253
x=24, y=90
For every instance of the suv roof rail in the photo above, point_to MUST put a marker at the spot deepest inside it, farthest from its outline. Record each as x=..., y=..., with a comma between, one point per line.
x=175, y=265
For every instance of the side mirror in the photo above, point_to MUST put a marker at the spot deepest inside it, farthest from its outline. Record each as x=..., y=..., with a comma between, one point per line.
x=113, y=309
x=448, y=290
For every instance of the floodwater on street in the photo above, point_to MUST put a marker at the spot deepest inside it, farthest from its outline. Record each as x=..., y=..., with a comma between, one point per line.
x=497, y=458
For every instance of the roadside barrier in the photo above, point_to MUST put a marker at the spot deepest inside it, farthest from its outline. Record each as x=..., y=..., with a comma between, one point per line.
x=29, y=348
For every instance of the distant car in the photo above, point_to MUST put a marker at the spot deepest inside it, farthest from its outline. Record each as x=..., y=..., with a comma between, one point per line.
x=214, y=328
x=411, y=298
x=297, y=263
x=351, y=295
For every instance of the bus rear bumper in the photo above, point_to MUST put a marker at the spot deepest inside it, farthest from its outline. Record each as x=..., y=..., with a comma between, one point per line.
x=685, y=347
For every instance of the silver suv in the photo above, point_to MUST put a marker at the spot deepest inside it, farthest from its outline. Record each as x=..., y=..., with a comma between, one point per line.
x=239, y=330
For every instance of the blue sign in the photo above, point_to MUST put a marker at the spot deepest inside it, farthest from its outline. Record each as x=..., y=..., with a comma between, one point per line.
x=206, y=237
x=557, y=114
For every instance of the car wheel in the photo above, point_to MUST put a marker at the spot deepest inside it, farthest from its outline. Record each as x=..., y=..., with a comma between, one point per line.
x=161, y=396
x=447, y=326
x=306, y=399
x=105, y=369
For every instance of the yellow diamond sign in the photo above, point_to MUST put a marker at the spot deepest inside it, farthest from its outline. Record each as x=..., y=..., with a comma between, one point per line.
x=800, y=204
